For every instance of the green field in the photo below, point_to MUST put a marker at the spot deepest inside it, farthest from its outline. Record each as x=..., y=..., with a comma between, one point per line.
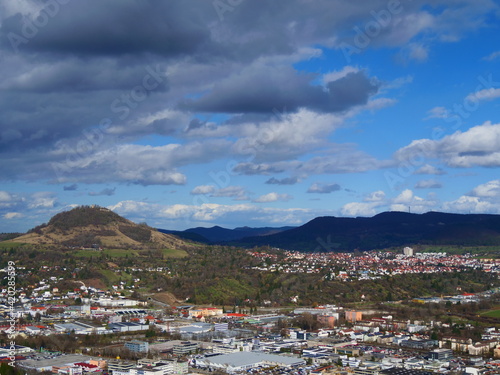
x=113, y=253
x=123, y=253
x=487, y=251
x=173, y=253
x=9, y=245
x=113, y=277
x=492, y=313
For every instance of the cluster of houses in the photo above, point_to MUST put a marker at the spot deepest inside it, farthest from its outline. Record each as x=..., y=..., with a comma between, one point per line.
x=373, y=264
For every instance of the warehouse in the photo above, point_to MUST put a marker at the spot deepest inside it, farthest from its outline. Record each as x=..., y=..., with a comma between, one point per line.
x=244, y=361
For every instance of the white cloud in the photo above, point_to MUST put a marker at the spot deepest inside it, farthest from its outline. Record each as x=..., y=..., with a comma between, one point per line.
x=12, y=215
x=203, y=189
x=338, y=159
x=429, y=169
x=323, y=188
x=473, y=205
x=5, y=196
x=418, y=52
x=338, y=74
x=285, y=136
x=236, y=192
x=408, y=201
x=437, y=112
x=360, y=209
x=377, y=202
x=490, y=189
x=482, y=199
x=478, y=146
x=376, y=196
x=485, y=94
x=42, y=200
x=428, y=184
x=182, y=216
x=273, y=197
x=492, y=56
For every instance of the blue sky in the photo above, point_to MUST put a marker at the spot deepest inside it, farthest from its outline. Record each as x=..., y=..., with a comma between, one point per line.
x=200, y=113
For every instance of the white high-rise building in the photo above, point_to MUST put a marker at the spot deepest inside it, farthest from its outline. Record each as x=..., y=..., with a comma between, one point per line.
x=408, y=251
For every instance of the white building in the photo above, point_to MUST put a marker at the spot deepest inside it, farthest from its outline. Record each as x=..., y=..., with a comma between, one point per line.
x=244, y=361
x=408, y=251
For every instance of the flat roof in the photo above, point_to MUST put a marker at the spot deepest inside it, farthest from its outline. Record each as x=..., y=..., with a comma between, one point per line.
x=240, y=359
x=62, y=360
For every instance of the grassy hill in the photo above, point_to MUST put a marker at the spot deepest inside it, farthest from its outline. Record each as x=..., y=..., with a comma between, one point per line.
x=95, y=227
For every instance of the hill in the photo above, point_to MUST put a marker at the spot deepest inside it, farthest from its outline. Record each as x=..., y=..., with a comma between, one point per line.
x=385, y=230
x=218, y=234
x=93, y=227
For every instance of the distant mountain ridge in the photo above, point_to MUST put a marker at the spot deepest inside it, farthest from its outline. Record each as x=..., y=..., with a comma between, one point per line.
x=388, y=229
x=217, y=234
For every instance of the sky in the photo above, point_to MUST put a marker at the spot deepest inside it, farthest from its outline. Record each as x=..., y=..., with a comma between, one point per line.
x=187, y=113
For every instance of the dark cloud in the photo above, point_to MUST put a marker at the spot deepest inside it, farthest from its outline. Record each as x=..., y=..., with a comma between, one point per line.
x=115, y=27
x=264, y=89
x=323, y=188
x=107, y=191
x=251, y=169
x=71, y=187
x=283, y=181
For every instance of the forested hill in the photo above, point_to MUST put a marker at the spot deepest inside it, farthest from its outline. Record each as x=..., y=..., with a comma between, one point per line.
x=218, y=234
x=385, y=230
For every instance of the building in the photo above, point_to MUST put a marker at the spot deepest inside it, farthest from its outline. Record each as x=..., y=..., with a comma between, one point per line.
x=17, y=350
x=47, y=364
x=375, y=370
x=326, y=320
x=78, y=328
x=244, y=361
x=208, y=311
x=159, y=367
x=441, y=354
x=128, y=327
x=137, y=346
x=117, y=367
x=185, y=347
x=405, y=371
x=408, y=251
x=108, y=302
x=221, y=326
x=353, y=316
x=419, y=344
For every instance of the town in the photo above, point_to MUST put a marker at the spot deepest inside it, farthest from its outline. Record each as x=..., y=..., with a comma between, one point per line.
x=118, y=331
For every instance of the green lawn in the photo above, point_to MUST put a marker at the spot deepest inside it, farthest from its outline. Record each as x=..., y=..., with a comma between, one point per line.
x=113, y=253
x=123, y=253
x=492, y=314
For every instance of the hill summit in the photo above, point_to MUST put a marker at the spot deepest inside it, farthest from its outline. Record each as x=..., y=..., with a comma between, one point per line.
x=95, y=226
